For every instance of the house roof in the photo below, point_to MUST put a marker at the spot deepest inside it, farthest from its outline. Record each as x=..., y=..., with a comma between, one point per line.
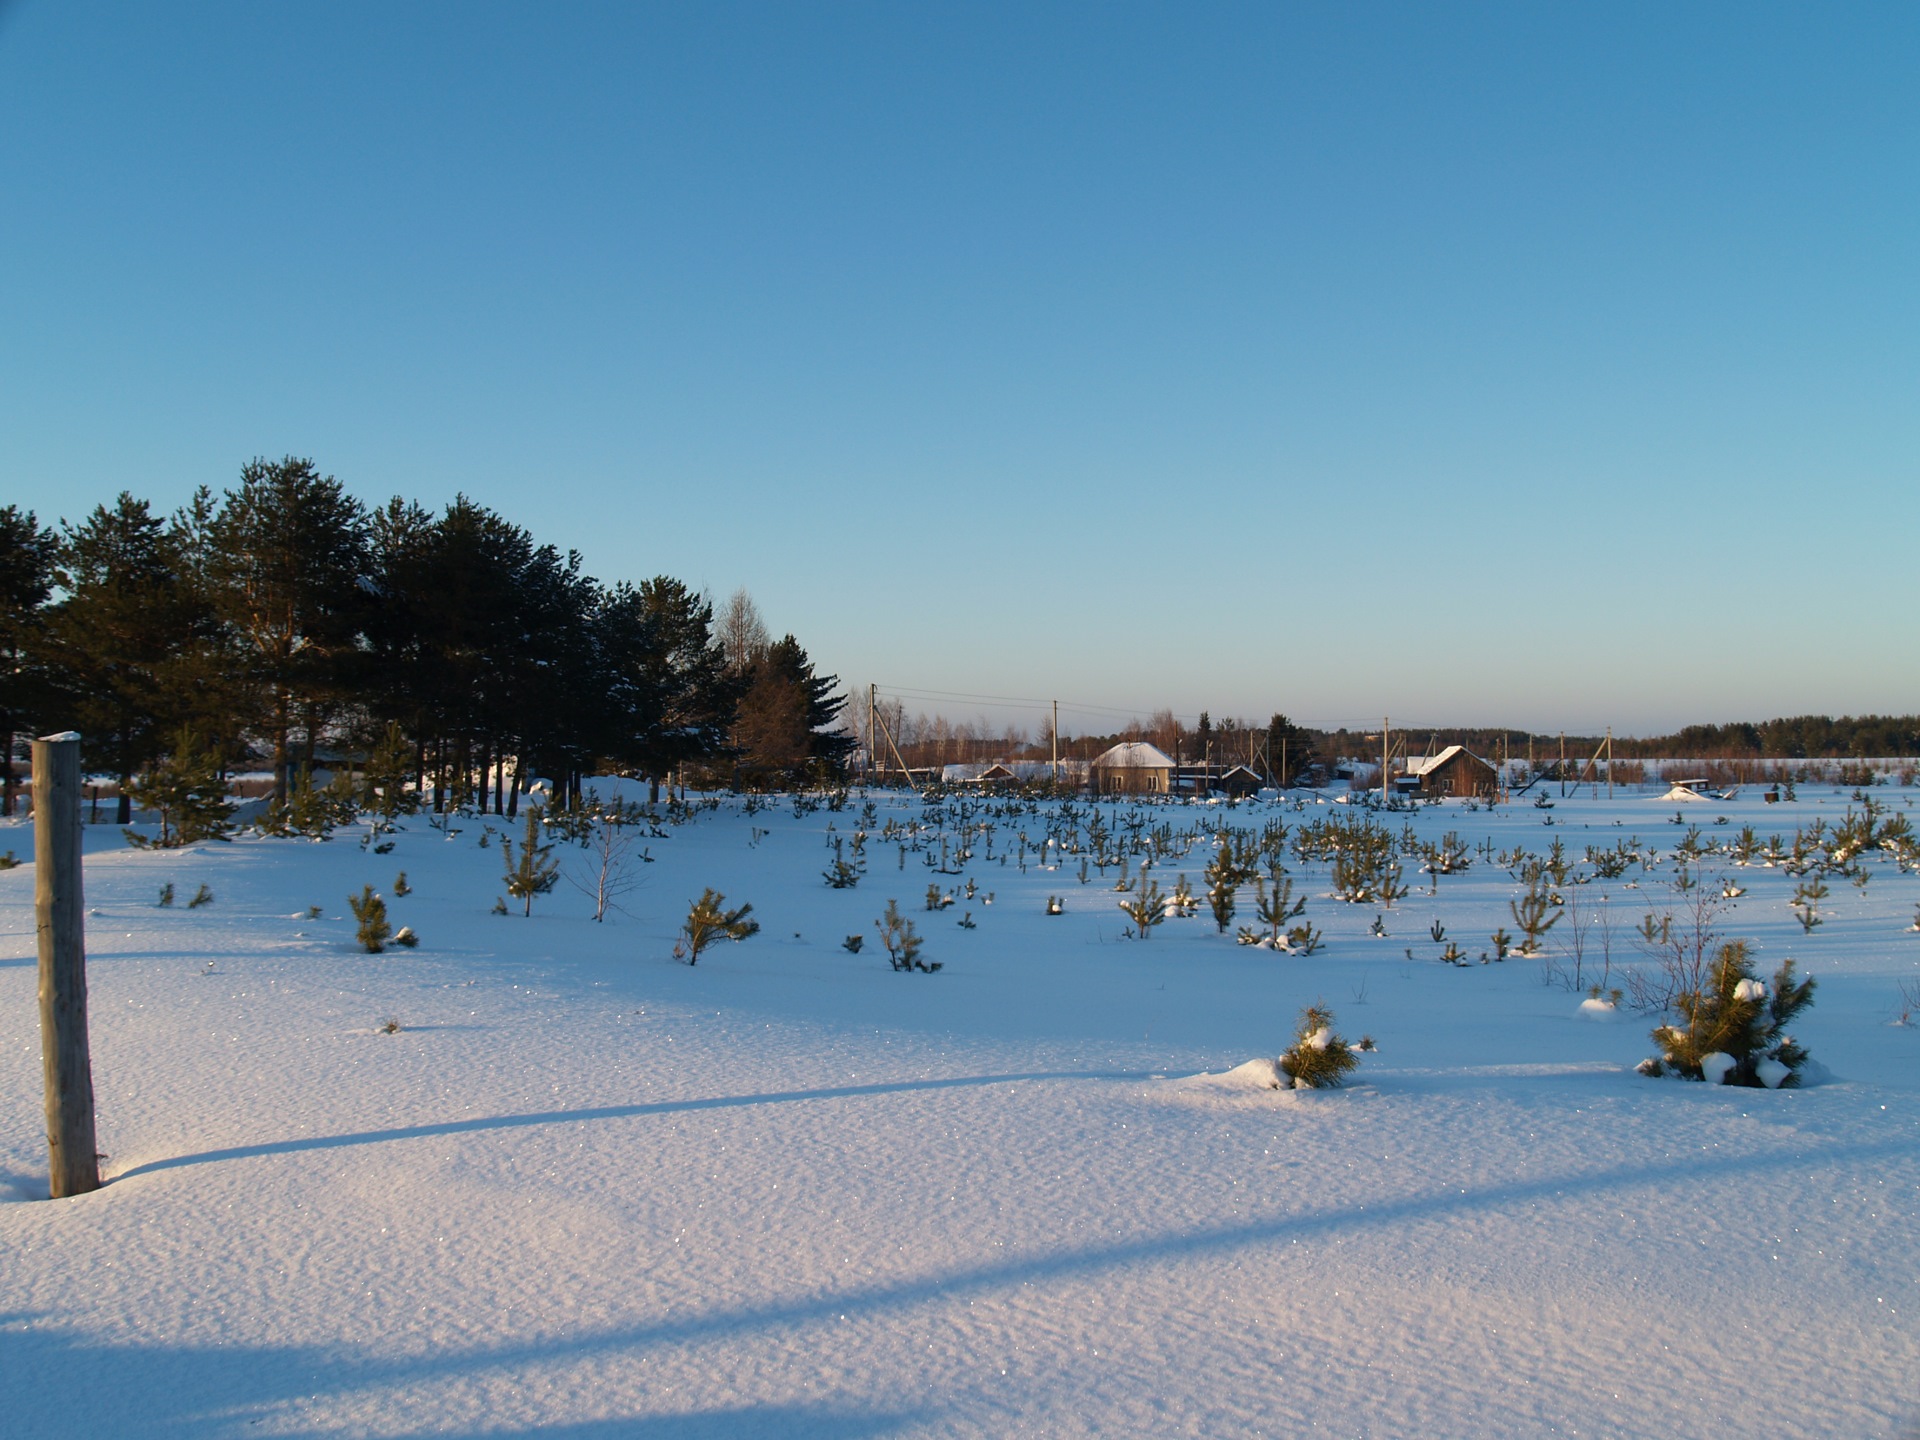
x=1134, y=755
x=1421, y=767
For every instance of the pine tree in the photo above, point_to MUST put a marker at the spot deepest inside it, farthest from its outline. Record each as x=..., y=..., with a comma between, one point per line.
x=1318, y=1059
x=532, y=872
x=1735, y=1029
x=709, y=920
x=187, y=789
x=287, y=555
x=371, y=911
x=27, y=555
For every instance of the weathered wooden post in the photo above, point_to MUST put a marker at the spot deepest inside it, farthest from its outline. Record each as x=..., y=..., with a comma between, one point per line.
x=60, y=917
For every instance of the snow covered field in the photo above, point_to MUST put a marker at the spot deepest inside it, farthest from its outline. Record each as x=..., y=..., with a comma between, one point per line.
x=586, y=1191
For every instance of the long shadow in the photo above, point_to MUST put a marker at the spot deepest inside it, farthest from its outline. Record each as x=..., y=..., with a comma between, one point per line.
x=204, y=1383
x=200, y=1391
x=605, y=1112
x=1093, y=1261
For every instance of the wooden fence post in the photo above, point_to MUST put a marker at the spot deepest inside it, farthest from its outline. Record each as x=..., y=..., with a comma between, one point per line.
x=60, y=918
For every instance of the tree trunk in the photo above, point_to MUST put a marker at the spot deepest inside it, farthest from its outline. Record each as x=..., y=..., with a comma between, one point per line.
x=282, y=722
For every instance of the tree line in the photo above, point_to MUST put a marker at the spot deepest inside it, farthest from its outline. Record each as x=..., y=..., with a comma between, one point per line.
x=283, y=619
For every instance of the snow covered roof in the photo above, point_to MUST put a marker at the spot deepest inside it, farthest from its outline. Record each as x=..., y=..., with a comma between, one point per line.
x=1421, y=767
x=1134, y=755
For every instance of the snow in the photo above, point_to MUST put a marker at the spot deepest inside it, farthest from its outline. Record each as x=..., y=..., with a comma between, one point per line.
x=1051, y=1190
x=1716, y=1065
x=1750, y=990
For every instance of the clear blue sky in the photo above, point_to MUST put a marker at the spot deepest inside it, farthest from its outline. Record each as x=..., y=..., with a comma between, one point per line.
x=1540, y=364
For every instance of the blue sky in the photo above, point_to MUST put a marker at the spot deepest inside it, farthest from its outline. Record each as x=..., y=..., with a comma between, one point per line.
x=1541, y=365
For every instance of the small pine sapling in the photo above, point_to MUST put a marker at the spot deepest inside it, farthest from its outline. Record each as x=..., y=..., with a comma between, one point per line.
x=708, y=921
x=1055, y=906
x=1531, y=914
x=966, y=921
x=1502, y=943
x=901, y=942
x=534, y=871
x=313, y=912
x=499, y=905
x=371, y=911
x=1806, y=903
x=1277, y=909
x=1146, y=909
x=1302, y=940
x=853, y=943
x=166, y=895
x=1734, y=1030
x=202, y=896
x=405, y=936
x=400, y=886
x=1318, y=1059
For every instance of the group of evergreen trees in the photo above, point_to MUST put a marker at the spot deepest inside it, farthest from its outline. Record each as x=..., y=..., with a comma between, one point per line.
x=284, y=618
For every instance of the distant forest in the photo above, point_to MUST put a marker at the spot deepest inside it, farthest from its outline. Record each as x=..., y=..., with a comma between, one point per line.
x=283, y=623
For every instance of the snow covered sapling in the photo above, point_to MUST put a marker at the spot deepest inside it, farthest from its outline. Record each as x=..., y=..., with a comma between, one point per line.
x=1055, y=906
x=1319, y=1059
x=1276, y=909
x=708, y=921
x=533, y=872
x=405, y=936
x=902, y=944
x=1223, y=879
x=1146, y=909
x=853, y=943
x=400, y=886
x=1734, y=1030
x=371, y=911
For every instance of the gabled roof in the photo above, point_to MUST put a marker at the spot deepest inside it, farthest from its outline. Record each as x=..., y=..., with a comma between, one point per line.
x=1134, y=755
x=1421, y=767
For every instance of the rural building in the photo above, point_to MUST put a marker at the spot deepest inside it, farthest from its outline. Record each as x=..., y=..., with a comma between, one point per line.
x=1455, y=771
x=1133, y=768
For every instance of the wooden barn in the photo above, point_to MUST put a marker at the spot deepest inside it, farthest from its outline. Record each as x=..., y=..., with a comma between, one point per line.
x=1238, y=781
x=1133, y=768
x=1457, y=772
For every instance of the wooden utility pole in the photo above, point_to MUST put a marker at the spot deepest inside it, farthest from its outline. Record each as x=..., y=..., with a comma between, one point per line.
x=873, y=755
x=1563, y=763
x=59, y=915
x=1383, y=758
x=1056, y=742
x=1609, y=762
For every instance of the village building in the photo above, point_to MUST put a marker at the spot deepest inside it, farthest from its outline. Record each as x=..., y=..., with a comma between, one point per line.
x=1455, y=772
x=1133, y=768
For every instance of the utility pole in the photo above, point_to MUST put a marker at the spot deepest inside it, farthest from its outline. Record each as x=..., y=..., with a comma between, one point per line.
x=872, y=754
x=1609, y=762
x=1383, y=758
x=59, y=915
x=1056, y=742
x=1563, y=763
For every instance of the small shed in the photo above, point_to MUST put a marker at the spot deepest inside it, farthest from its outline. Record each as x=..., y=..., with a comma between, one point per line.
x=1133, y=768
x=1238, y=781
x=1458, y=772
